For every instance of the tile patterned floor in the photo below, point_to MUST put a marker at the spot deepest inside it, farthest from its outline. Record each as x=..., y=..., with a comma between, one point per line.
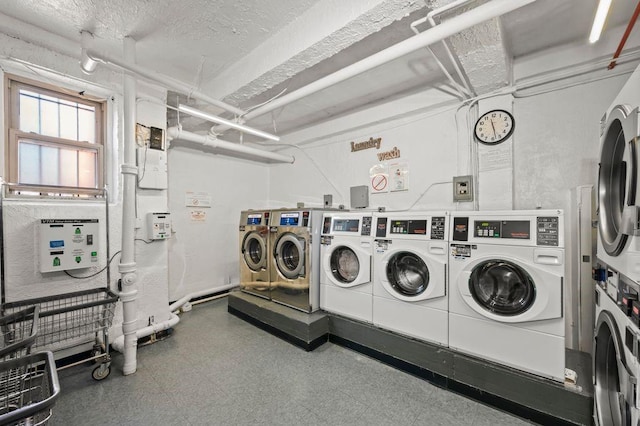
x=219, y=370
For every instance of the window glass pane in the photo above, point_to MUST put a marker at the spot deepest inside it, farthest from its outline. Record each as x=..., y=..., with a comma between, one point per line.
x=29, y=161
x=50, y=165
x=87, y=169
x=68, y=122
x=29, y=114
x=49, y=118
x=68, y=167
x=86, y=125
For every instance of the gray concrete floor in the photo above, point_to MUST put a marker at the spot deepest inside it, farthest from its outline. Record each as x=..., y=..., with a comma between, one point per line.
x=219, y=370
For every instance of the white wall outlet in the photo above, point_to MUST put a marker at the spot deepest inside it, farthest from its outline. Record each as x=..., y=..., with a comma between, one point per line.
x=463, y=188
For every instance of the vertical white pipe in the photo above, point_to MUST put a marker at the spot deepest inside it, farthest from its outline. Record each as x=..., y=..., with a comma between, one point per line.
x=127, y=266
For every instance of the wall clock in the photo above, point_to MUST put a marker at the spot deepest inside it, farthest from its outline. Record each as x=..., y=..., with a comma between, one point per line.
x=494, y=127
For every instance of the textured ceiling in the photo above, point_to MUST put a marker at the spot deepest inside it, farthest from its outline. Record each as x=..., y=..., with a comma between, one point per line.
x=246, y=52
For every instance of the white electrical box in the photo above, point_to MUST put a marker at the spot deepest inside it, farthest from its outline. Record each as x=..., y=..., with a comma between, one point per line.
x=152, y=168
x=67, y=244
x=159, y=226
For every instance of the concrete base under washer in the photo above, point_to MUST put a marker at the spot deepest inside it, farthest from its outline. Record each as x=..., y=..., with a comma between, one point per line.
x=541, y=400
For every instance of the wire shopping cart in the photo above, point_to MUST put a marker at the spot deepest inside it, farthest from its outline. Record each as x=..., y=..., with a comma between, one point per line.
x=73, y=319
x=18, y=332
x=28, y=389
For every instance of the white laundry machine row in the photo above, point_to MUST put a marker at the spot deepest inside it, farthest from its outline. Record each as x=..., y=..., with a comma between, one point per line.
x=346, y=253
x=506, y=275
x=410, y=274
x=254, y=252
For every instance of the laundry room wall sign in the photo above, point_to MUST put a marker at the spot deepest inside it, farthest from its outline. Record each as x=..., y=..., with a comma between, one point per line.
x=389, y=155
x=371, y=143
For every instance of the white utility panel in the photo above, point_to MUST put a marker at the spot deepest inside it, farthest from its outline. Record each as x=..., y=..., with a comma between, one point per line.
x=67, y=244
x=159, y=226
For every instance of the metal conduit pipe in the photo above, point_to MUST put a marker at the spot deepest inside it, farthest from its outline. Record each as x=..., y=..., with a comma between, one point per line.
x=171, y=83
x=127, y=266
x=482, y=13
x=176, y=132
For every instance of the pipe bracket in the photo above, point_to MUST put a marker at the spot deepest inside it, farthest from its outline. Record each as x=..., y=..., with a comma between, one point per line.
x=128, y=169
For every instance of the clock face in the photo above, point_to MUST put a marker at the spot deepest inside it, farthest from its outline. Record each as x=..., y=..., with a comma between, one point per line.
x=494, y=127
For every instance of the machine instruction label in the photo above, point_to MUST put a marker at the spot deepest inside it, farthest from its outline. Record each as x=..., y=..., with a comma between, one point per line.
x=460, y=251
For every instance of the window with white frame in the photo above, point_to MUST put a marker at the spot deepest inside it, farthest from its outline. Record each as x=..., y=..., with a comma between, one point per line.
x=55, y=140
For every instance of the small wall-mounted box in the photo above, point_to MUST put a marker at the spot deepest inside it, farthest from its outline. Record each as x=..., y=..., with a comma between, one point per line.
x=463, y=188
x=359, y=197
x=67, y=244
x=159, y=226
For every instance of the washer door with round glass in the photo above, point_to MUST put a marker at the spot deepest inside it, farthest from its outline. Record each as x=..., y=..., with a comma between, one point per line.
x=508, y=290
x=502, y=287
x=290, y=254
x=407, y=275
x=348, y=266
x=254, y=251
x=617, y=179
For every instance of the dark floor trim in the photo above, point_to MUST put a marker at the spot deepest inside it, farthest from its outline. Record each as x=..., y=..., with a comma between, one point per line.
x=423, y=373
x=307, y=346
x=453, y=385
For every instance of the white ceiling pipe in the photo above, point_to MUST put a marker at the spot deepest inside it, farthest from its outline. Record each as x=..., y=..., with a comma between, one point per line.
x=461, y=90
x=482, y=13
x=177, y=133
x=164, y=80
x=432, y=22
x=218, y=120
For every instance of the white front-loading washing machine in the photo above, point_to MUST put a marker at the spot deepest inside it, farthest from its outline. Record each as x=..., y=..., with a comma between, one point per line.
x=618, y=183
x=345, y=255
x=410, y=274
x=506, y=294
x=615, y=364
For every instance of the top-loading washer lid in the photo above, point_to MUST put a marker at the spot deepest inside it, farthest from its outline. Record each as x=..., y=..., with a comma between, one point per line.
x=407, y=273
x=502, y=287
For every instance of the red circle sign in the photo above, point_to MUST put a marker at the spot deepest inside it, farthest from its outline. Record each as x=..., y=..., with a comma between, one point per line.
x=379, y=182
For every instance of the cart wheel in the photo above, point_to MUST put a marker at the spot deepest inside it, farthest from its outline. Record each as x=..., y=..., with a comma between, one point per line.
x=101, y=372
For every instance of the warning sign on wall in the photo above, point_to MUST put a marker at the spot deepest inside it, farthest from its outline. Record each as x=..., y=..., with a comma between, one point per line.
x=379, y=179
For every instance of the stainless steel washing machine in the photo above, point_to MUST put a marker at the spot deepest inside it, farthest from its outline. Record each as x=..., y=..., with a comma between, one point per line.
x=254, y=252
x=295, y=258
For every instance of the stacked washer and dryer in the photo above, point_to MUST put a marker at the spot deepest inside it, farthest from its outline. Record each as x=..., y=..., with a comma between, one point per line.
x=616, y=369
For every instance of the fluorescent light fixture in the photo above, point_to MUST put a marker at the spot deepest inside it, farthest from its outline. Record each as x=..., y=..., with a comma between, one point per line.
x=598, y=21
x=215, y=119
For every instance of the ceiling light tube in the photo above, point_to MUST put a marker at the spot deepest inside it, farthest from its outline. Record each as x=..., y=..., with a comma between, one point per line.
x=599, y=20
x=215, y=119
